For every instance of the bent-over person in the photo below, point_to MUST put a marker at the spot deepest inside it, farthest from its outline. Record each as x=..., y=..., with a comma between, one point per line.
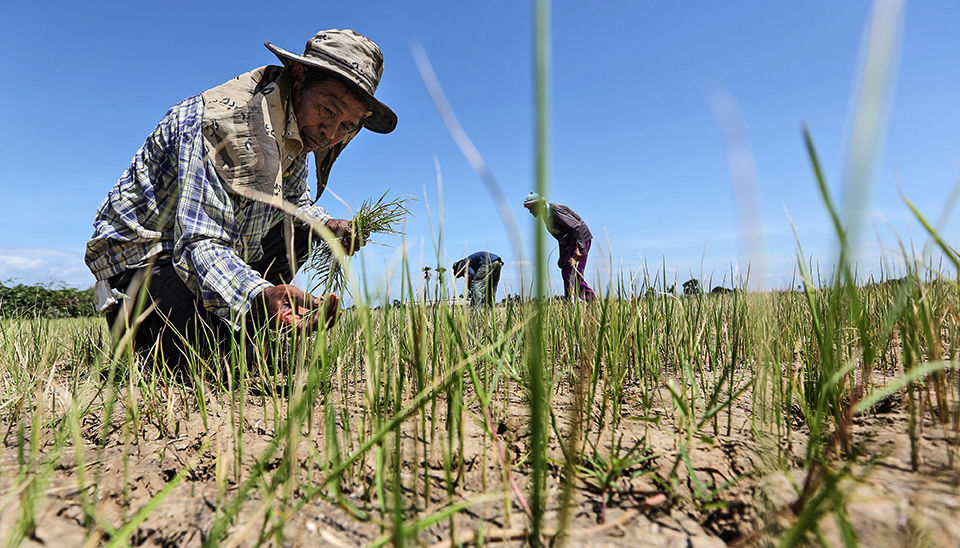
x=214, y=214
x=574, y=237
x=481, y=270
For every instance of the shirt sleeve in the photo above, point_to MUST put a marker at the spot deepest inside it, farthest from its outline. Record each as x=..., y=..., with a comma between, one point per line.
x=571, y=225
x=296, y=189
x=205, y=231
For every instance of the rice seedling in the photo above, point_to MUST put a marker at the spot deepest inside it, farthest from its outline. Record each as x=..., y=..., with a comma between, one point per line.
x=413, y=422
x=381, y=217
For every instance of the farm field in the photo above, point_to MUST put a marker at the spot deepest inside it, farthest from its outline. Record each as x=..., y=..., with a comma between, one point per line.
x=827, y=416
x=810, y=399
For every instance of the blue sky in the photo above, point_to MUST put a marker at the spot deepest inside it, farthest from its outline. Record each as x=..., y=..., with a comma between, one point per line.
x=635, y=145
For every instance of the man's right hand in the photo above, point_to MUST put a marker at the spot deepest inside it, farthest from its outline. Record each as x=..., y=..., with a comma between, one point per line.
x=288, y=306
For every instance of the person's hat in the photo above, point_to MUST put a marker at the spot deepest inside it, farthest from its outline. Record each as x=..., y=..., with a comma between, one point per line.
x=531, y=198
x=355, y=60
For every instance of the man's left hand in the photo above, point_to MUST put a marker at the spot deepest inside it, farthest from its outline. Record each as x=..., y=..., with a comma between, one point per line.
x=350, y=239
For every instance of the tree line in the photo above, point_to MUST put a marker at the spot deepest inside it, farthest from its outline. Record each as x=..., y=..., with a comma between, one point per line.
x=30, y=301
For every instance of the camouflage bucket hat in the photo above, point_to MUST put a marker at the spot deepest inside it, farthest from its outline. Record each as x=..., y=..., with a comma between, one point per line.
x=355, y=60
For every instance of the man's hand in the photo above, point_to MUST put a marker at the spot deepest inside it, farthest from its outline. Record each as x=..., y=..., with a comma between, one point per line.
x=577, y=256
x=349, y=238
x=287, y=306
x=574, y=259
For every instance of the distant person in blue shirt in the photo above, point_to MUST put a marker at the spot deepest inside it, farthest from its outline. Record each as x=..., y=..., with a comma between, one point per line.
x=482, y=273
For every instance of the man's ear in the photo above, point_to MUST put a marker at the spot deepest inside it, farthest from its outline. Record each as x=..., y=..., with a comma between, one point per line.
x=297, y=74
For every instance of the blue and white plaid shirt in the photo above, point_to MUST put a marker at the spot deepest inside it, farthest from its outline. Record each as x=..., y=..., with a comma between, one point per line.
x=181, y=200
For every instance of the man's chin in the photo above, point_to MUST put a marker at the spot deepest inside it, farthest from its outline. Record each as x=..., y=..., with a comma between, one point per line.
x=314, y=148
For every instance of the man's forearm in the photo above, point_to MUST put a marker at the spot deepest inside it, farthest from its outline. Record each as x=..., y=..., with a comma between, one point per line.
x=312, y=214
x=226, y=285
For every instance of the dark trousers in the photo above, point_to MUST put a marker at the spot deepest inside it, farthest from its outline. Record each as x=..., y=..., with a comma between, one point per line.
x=483, y=285
x=574, y=282
x=178, y=316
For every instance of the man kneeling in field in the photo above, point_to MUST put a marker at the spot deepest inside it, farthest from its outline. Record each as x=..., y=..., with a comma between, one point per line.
x=214, y=213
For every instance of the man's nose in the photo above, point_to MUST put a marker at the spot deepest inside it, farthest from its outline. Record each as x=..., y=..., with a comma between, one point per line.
x=331, y=131
x=325, y=130
x=334, y=134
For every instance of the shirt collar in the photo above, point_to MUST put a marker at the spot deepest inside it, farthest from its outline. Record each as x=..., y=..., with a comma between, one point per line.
x=282, y=116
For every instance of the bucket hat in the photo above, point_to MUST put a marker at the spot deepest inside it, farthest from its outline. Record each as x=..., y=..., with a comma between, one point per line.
x=355, y=60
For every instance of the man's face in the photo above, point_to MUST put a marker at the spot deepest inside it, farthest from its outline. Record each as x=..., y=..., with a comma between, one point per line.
x=326, y=113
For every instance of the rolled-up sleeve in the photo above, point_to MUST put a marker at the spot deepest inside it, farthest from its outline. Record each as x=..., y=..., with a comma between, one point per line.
x=205, y=232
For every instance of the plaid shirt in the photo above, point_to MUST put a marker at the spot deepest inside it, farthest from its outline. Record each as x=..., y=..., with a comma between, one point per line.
x=184, y=195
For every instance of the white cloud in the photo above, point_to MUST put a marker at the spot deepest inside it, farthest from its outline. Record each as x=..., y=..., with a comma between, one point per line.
x=43, y=266
x=14, y=262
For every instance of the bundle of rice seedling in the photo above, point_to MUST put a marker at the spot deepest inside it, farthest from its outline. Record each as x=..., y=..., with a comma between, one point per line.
x=380, y=217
